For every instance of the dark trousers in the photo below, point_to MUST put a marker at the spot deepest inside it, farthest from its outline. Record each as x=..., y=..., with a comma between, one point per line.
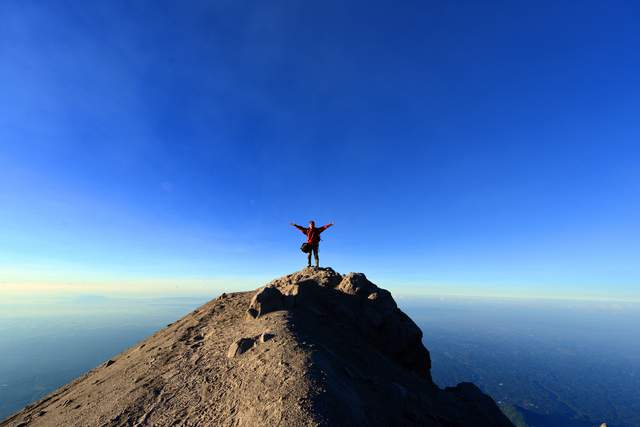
x=314, y=249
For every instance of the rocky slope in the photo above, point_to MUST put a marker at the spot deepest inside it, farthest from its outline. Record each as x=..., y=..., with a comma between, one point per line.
x=310, y=348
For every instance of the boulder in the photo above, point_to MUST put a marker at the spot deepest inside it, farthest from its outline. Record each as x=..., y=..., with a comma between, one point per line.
x=265, y=336
x=356, y=284
x=265, y=301
x=382, y=300
x=240, y=346
x=308, y=293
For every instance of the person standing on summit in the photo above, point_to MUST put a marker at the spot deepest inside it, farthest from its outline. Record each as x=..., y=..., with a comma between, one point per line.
x=313, y=239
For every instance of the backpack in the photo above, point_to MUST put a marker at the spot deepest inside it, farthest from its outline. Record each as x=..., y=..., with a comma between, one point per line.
x=306, y=248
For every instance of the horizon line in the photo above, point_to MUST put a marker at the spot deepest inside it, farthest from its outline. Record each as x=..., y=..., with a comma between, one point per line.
x=208, y=286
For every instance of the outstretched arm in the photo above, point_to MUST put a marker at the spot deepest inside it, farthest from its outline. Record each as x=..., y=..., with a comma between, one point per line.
x=299, y=227
x=324, y=227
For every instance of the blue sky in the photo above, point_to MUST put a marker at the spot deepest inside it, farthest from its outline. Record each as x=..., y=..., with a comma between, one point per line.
x=485, y=148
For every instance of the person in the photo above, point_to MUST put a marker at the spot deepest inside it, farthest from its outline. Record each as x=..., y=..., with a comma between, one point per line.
x=313, y=239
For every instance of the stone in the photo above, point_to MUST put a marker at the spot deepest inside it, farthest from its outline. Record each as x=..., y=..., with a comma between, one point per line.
x=265, y=301
x=240, y=346
x=356, y=284
x=265, y=336
x=382, y=299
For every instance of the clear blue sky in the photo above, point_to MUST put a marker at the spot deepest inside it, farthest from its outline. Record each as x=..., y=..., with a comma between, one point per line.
x=460, y=146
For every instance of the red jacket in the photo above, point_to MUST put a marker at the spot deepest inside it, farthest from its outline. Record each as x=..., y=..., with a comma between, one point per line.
x=313, y=234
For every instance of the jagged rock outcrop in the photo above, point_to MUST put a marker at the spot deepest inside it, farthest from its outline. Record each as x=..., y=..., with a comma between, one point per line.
x=310, y=348
x=354, y=300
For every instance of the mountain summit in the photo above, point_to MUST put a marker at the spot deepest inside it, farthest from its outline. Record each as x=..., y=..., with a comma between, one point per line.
x=310, y=348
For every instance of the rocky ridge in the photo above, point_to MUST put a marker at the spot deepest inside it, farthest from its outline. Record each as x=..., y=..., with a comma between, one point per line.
x=311, y=348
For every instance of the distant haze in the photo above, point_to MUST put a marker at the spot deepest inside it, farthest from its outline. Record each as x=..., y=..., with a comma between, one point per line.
x=540, y=356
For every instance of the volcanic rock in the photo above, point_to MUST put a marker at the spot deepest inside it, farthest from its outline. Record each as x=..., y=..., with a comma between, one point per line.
x=317, y=349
